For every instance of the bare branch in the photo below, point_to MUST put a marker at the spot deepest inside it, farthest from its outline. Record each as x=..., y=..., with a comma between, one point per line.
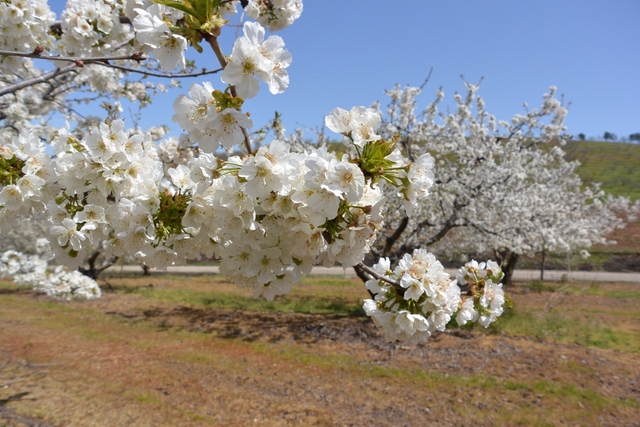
x=93, y=61
x=78, y=60
x=399, y=289
x=427, y=79
x=203, y=72
x=391, y=240
x=43, y=78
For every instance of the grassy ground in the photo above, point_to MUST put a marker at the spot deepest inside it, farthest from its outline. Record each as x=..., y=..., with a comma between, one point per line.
x=196, y=351
x=615, y=165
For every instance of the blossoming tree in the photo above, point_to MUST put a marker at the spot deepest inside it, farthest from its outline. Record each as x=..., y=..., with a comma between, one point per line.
x=500, y=186
x=270, y=214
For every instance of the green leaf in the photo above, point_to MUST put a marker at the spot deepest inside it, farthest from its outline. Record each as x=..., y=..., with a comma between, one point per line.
x=183, y=6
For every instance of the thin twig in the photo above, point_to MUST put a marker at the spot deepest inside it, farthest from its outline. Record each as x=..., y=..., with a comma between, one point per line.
x=163, y=75
x=43, y=78
x=78, y=60
x=426, y=80
x=215, y=46
x=378, y=276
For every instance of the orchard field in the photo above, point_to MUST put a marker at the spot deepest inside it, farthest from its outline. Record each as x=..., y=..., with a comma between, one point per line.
x=615, y=166
x=192, y=351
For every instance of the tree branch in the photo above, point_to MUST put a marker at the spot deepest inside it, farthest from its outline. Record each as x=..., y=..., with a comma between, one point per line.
x=203, y=72
x=43, y=78
x=78, y=60
x=399, y=289
x=215, y=46
x=391, y=240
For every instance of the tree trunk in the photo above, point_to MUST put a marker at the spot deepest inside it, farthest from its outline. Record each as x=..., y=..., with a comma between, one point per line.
x=544, y=253
x=145, y=270
x=93, y=271
x=507, y=260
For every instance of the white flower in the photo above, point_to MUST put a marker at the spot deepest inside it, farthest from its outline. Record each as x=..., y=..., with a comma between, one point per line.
x=361, y=124
x=181, y=178
x=492, y=300
x=261, y=177
x=344, y=178
x=364, y=126
x=92, y=216
x=11, y=197
x=227, y=127
x=421, y=180
x=152, y=31
x=339, y=121
x=275, y=15
x=253, y=58
x=246, y=63
x=197, y=110
x=68, y=234
x=383, y=268
x=467, y=312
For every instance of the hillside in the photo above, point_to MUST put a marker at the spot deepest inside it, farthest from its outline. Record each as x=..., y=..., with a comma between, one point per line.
x=615, y=165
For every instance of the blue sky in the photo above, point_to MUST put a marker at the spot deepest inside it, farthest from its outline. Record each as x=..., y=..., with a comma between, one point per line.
x=346, y=52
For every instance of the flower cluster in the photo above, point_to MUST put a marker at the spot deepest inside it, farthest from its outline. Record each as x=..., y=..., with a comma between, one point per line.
x=274, y=14
x=291, y=211
x=269, y=216
x=380, y=159
x=23, y=25
x=418, y=297
x=486, y=297
x=153, y=32
x=254, y=58
x=26, y=173
x=206, y=121
x=414, y=300
x=31, y=271
x=110, y=183
x=91, y=28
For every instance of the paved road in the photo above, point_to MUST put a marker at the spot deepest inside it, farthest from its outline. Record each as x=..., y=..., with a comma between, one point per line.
x=552, y=275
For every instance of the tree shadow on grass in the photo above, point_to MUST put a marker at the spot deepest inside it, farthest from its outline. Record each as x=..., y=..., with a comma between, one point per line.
x=261, y=326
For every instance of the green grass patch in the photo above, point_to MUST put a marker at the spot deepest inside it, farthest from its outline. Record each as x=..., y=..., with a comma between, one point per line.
x=615, y=165
x=539, y=286
x=303, y=299
x=563, y=327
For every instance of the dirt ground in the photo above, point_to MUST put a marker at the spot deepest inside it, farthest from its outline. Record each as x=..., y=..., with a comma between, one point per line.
x=126, y=360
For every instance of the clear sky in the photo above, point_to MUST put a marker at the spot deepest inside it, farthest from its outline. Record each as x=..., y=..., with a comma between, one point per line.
x=346, y=52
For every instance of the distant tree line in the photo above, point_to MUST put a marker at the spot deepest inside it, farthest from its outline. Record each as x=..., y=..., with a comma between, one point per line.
x=610, y=136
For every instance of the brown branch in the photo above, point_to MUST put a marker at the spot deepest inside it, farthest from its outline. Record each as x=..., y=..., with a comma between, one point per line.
x=399, y=289
x=94, y=61
x=450, y=224
x=78, y=60
x=163, y=75
x=43, y=78
x=215, y=46
x=391, y=240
